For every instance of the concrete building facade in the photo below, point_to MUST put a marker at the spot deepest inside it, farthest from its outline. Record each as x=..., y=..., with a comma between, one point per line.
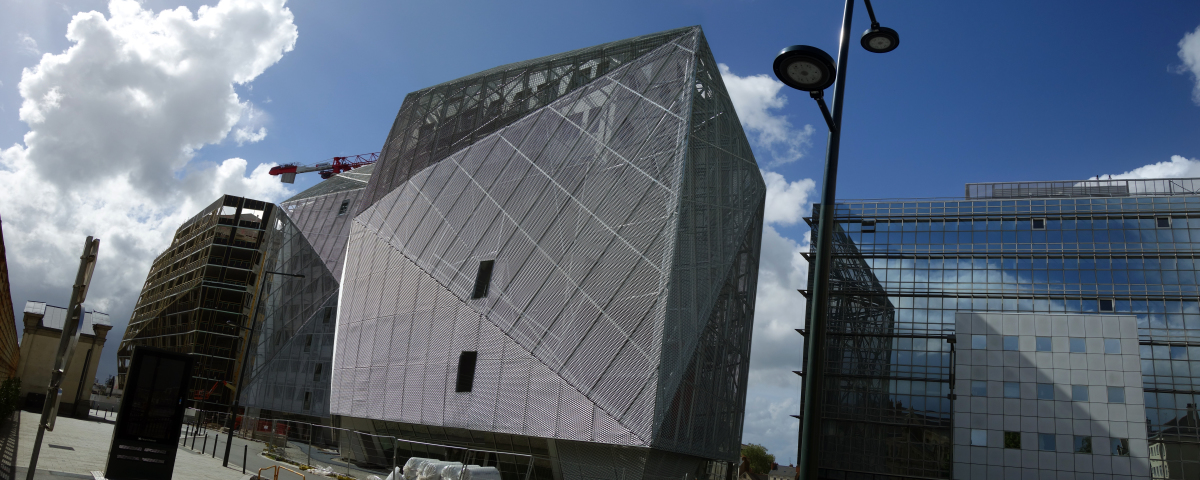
x=39, y=345
x=198, y=295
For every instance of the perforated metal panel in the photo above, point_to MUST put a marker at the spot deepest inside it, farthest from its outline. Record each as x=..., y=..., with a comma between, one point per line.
x=623, y=214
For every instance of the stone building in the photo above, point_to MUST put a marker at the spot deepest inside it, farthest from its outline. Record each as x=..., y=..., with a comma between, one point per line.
x=39, y=345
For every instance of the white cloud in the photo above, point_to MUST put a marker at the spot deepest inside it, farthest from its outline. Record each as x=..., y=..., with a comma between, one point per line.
x=27, y=44
x=1177, y=167
x=786, y=201
x=757, y=101
x=249, y=128
x=114, y=122
x=773, y=391
x=1189, y=52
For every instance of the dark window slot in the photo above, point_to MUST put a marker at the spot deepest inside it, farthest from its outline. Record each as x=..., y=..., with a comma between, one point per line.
x=483, y=279
x=466, y=371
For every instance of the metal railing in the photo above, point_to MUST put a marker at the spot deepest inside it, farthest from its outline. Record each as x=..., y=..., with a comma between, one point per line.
x=1085, y=188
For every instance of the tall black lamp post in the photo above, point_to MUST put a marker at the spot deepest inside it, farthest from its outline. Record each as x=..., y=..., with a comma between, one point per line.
x=812, y=70
x=237, y=393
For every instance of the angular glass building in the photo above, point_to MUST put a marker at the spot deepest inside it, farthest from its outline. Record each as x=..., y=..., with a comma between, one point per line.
x=558, y=257
x=985, y=336
x=292, y=356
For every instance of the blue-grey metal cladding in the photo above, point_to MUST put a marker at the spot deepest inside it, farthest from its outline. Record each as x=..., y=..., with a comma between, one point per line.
x=624, y=217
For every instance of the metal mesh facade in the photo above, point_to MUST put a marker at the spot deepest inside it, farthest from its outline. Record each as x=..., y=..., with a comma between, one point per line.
x=1093, y=253
x=614, y=192
x=323, y=213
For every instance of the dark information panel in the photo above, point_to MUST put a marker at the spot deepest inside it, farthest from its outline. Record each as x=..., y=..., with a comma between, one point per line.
x=146, y=437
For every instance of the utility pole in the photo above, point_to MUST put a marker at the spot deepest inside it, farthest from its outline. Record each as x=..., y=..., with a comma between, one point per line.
x=66, y=346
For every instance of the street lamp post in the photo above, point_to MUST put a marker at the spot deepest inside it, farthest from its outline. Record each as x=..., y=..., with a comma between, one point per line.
x=812, y=70
x=237, y=393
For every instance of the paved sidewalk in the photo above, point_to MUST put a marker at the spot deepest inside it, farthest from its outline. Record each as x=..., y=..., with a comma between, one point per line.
x=77, y=447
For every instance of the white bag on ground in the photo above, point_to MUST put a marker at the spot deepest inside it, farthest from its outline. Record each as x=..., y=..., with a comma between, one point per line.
x=433, y=470
x=412, y=468
x=475, y=472
x=395, y=474
x=452, y=471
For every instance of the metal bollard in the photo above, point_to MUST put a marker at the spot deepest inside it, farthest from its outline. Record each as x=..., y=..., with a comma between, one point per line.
x=194, y=442
x=216, y=438
x=204, y=446
x=244, y=449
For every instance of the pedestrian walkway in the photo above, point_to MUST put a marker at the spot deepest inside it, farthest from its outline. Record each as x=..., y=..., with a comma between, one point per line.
x=78, y=447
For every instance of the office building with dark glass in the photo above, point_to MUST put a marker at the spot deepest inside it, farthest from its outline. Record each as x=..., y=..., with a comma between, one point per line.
x=1027, y=330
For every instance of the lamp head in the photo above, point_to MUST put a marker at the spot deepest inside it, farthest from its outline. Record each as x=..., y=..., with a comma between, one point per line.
x=879, y=39
x=805, y=68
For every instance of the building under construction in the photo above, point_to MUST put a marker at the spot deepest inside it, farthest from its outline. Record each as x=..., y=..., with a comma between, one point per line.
x=198, y=295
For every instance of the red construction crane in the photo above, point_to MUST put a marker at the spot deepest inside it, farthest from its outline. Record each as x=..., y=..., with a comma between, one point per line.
x=333, y=166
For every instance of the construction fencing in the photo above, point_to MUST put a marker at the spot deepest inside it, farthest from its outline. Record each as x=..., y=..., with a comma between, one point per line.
x=348, y=454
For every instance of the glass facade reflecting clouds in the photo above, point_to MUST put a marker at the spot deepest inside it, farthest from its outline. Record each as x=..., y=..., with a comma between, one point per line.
x=1089, y=247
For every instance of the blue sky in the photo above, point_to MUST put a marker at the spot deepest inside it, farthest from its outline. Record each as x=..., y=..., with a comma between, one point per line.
x=976, y=92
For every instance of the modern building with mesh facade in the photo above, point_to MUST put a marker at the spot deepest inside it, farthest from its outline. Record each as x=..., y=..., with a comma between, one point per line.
x=557, y=257
x=1028, y=329
x=198, y=295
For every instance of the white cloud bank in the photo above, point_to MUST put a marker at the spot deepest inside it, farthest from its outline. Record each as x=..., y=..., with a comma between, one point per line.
x=1177, y=167
x=1189, y=52
x=773, y=390
x=114, y=122
x=757, y=101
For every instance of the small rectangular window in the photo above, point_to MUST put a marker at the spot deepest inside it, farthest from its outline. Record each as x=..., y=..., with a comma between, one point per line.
x=979, y=438
x=1012, y=342
x=308, y=343
x=1046, y=442
x=1012, y=390
x=1039, y=224
x=1043, y=344
x=1112, y=346
x=345, y=206
x=1079, y=393
x=1045, y=391
x=979, y=342
x=328, y=315
x=1163, y=222
x=1012, y=440
x=1078, y=345
x=483, y=278
x=1116, y=394
x=868, y=226
x=1083, y=444
x=1120, y=446
x=307, y=400
x=1106, y=305
x=317, y=372
x=466, y=372
x=978, y=388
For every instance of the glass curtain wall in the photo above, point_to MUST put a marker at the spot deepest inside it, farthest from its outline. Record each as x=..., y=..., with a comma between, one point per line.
x=1133, y=255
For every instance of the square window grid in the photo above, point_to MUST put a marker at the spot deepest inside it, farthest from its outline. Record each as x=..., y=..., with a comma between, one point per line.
x=1079, y=393
x=1043, y=344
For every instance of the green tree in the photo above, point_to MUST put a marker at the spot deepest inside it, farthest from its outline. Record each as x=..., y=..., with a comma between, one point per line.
x=760, y=460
